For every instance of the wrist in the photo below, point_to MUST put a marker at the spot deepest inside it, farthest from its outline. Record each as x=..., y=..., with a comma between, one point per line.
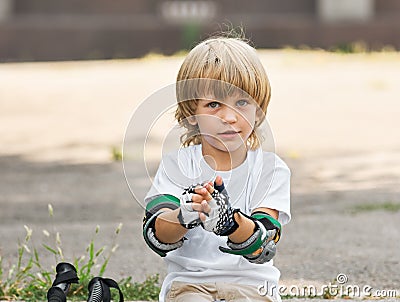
x=168, y=228
x=245, y=228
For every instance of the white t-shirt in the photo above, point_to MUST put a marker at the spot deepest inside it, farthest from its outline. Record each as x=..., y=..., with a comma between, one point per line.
x=262, y=180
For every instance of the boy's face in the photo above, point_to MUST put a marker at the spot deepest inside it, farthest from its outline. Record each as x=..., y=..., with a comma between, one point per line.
x=225, y=124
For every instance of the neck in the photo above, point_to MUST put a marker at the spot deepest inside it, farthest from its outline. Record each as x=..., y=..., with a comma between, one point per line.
x=223, y=160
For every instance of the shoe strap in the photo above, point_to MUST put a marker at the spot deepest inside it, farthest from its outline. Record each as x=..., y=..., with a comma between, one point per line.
x=106, y=284
x=56, y=294
x=67, y=275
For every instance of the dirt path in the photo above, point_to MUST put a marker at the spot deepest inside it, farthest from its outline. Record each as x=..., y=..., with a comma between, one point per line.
x=335, y=120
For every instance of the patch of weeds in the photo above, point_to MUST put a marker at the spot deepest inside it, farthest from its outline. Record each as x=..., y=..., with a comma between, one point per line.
x=379, y=206
x=147, y=290
x=354, y=47
x=29, y=280
x=116, y=154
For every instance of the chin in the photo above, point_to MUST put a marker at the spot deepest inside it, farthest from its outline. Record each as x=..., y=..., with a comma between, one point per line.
x=229, y=147
x=226, y=146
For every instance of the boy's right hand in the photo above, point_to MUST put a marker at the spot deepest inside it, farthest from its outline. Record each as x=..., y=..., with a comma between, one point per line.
x=193, y=206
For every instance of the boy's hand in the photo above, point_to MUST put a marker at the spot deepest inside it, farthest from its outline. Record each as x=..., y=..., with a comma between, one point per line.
x=193, y=206
x=220, y=218
x=201, y=199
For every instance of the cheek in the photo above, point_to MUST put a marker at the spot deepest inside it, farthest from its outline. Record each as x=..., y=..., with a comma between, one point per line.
x=205, y=124
x=249, y=119
x=208, y=120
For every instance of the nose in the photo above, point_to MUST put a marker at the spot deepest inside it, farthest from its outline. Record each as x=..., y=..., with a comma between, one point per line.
x=228, y=114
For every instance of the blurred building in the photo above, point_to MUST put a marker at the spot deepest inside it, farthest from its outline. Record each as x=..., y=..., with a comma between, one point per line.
x=97, y=29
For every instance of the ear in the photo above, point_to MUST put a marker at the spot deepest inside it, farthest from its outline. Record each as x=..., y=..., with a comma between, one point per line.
x=192, y=120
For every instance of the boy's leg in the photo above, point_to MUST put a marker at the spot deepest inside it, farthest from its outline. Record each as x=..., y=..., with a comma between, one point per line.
x=193, y=297
x=188, y=292
x=240, y=293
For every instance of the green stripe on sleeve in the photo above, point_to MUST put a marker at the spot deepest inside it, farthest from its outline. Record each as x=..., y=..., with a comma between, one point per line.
x=259, y=216
x=162, y=199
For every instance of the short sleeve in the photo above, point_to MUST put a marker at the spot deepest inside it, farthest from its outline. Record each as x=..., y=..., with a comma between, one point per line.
x=164, y=183
x=174, y=174
x=271, y=185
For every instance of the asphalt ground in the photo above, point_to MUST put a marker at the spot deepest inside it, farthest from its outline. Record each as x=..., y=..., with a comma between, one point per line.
x=334, y=118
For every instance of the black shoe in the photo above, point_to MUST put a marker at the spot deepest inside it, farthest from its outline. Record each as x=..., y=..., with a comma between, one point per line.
x=66, y=274
x=99, y=290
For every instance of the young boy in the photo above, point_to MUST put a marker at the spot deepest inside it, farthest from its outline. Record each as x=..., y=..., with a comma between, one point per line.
x=216, y=205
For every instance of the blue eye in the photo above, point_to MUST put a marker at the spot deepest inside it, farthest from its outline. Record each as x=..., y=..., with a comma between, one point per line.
x=213, y=105
x=242, y=103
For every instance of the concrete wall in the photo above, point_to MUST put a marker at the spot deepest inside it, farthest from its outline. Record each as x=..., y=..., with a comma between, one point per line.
x=95, y=29
x=6, y=10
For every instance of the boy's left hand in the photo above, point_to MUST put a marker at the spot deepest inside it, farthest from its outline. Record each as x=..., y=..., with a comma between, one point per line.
x=220, y=218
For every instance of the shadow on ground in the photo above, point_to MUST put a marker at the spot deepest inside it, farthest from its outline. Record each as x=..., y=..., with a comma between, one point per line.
x=329, y=233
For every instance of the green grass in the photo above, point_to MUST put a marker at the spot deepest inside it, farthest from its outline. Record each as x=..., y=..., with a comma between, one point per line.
x=379, y=206
x=116, y=153
x=27, y=279
x=355, y=47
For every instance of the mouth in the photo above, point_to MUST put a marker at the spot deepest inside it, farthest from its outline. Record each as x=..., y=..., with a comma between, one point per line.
x=229, y=133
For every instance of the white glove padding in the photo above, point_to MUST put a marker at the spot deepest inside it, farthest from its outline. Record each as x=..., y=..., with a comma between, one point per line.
x=220, y=220
x=188, y=217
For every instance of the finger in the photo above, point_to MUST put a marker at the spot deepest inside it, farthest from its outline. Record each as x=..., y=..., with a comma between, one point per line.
x=197, y=207
x=197, y=198
x=205, y=207
x=200, y=190
x=219, y=184
x=209, y=187
x=204, y=193
x=202, y=216
x=219, y=181
x=207, y=196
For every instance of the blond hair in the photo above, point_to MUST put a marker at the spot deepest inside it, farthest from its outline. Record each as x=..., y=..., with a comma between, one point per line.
x=226, y=60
